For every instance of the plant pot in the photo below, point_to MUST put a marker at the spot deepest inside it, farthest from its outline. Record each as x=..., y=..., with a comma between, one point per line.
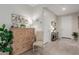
x=4, y=53
x=76, y=39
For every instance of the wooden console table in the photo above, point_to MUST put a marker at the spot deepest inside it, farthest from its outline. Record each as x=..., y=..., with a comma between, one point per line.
x=23, y=39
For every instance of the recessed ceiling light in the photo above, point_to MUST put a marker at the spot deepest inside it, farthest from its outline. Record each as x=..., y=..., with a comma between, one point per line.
x=63, y=9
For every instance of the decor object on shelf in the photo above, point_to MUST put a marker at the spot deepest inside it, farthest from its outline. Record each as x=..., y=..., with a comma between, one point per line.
x=5, y=40
x=53, y=26
x=75, y=35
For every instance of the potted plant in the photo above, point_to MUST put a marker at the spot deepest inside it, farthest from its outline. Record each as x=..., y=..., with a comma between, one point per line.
x=5, y=40
x=75, y=35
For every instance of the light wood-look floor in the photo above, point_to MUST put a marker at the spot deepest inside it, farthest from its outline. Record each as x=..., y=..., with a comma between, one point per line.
x=59, y=47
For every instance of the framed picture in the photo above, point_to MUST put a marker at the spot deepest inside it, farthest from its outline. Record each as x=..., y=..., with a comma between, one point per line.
x=18, y=20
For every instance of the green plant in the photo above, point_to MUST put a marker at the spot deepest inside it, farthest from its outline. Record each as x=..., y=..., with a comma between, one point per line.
x=5, y=39
x=22, y=25
x=75, y=35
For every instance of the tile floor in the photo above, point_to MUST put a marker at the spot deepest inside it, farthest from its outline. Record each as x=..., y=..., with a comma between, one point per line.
x=59, y=47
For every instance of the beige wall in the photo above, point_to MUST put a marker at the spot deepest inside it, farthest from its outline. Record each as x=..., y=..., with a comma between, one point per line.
x=75, y=22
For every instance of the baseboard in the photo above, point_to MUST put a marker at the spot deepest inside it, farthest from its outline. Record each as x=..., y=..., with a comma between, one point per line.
x=45, y=43
x=66, y=37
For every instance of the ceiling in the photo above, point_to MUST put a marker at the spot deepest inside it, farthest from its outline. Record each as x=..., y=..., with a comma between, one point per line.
x=57, y=8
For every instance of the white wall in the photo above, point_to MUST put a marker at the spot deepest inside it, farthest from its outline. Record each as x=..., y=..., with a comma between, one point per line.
x=48, y=17
x=7, y=10
x=44, y=16
x=67, y=24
